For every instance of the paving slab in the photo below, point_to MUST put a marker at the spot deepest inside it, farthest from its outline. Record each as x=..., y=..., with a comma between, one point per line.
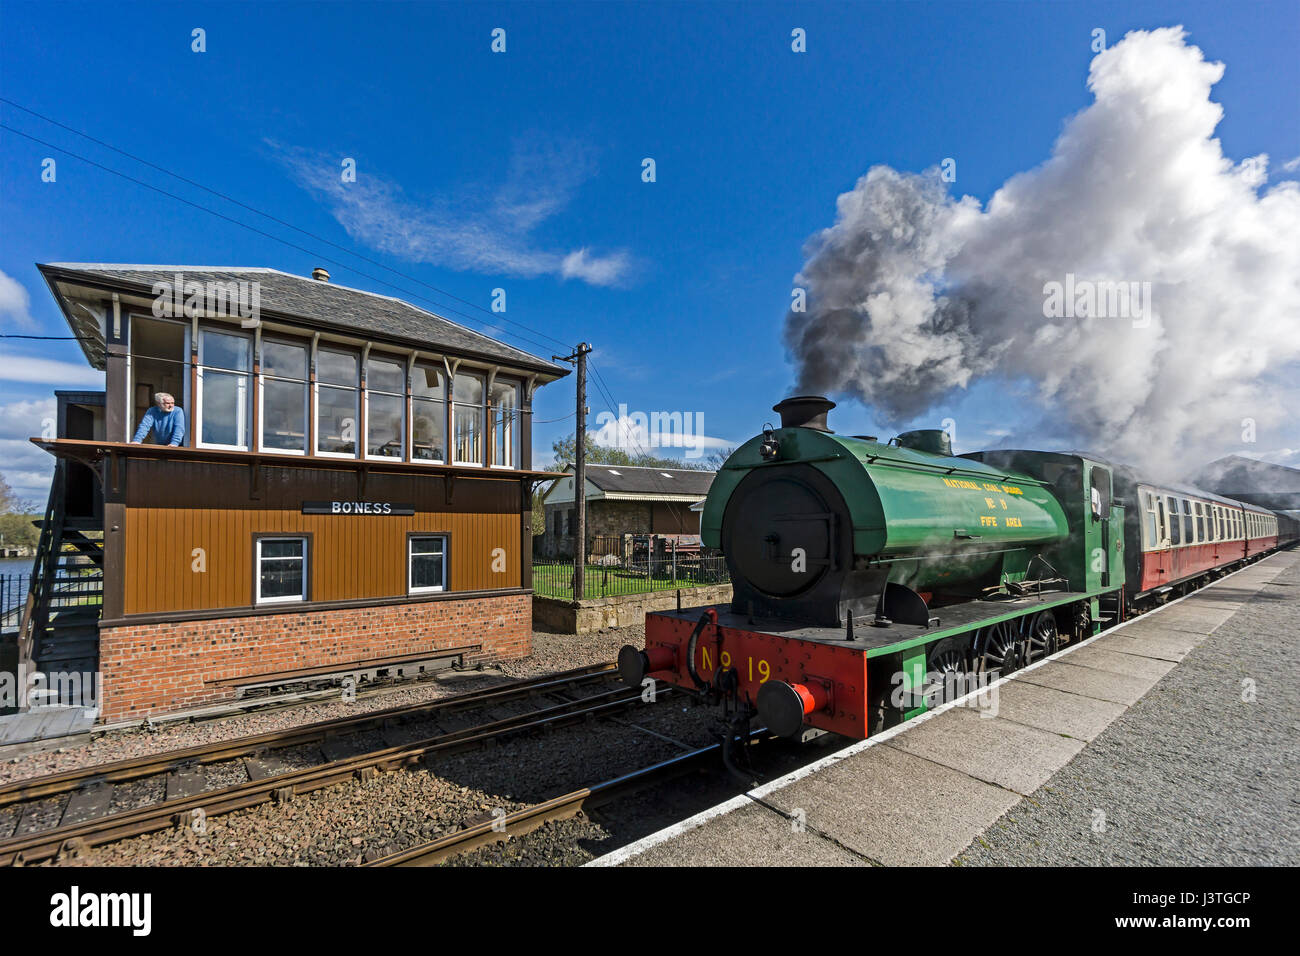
x=1202, y=618
x=1161, y=645
x=896, y=808
x=1055, y=711
x=1116, y=661
x=997, y=751
x=1090, y=682
x=750, y=836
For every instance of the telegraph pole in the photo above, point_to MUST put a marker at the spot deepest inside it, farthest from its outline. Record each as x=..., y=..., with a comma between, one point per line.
x=579, y=358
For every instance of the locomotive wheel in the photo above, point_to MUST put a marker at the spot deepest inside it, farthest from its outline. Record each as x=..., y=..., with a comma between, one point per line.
x=948, y=665
x=1002, y=649
x=1043, y=638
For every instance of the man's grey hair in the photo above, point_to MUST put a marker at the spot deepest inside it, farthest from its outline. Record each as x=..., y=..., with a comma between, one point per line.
x=159, y=396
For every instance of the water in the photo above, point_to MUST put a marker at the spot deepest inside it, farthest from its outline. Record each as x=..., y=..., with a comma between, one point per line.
x=16, y=565
x=13, y=591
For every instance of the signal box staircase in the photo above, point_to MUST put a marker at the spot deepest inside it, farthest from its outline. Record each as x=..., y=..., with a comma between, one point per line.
x=59, y=631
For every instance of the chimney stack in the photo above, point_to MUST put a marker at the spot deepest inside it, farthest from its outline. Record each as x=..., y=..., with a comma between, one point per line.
x=320, y=275
x=804, y=411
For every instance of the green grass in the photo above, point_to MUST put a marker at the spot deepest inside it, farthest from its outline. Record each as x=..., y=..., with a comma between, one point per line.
x=555, y=580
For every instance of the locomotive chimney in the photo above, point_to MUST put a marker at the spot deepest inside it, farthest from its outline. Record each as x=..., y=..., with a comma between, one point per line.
x=804, y=411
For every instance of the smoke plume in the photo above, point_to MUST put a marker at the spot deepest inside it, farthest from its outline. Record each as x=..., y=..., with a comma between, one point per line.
x=913, y=293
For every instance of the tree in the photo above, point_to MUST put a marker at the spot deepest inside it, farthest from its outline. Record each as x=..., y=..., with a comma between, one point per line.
x=16, y=514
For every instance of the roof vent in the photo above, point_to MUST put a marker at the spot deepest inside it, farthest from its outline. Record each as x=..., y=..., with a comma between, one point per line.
x=320, y=275
x=804, y=411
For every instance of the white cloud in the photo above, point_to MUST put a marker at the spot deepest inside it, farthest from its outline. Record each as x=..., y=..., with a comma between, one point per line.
x=15, y=303
x=1291, y=165
x=26, y=467
x=914, y=294
x=638, y=433
x=28, y=419
x=597, y=270
x=52, y=372
x=484, y=229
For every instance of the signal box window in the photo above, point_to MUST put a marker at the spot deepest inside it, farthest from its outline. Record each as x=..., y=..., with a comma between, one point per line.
x=427, y=563
x=281, y=570
x=337, y=402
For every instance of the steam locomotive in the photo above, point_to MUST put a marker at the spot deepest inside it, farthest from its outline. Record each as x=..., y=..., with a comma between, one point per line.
x=867, y=576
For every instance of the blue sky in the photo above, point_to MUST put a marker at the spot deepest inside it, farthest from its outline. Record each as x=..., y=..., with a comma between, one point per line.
x=523, y=170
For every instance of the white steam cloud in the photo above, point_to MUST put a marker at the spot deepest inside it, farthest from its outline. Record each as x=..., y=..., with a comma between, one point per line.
x=913, y=294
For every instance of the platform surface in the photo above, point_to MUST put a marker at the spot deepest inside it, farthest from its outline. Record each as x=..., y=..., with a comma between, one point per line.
x=44, y=727
x=1171, y=739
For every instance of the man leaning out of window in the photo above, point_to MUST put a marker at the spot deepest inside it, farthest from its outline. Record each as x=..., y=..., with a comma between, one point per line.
x=164, y=419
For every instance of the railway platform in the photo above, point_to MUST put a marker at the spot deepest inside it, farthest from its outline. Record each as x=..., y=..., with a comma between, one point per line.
x=1166, y=740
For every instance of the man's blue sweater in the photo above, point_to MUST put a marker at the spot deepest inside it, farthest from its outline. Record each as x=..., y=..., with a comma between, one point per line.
x=168, y=427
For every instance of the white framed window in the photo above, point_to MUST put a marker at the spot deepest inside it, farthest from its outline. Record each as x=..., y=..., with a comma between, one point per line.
x=469, y=418
x=281, y=570
x=385, y=407
x=225, y=367
x=1151, y=523
x=428, y=414
x=337, y=402
x=426, y=563
x=504, y=413
x=282, y=406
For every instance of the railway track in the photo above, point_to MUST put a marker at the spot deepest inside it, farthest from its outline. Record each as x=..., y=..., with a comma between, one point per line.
x=564, y=807
x=69, y=812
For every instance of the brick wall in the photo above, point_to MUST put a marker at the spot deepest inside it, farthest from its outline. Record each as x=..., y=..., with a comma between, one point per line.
x=157, y=668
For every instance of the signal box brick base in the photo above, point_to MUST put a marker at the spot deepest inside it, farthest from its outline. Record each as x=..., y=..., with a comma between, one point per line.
x=157, y=668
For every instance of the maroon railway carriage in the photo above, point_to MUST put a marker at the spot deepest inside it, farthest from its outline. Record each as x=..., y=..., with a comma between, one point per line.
x=1176, y=534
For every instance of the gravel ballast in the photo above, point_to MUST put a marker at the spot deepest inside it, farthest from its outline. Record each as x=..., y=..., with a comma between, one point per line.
x=551, y=653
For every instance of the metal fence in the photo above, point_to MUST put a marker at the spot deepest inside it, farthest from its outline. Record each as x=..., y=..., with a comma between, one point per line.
x=607, y=578
x=13, y=595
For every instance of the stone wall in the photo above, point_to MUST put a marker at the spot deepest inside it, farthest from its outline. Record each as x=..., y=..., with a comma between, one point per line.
x=584, y=617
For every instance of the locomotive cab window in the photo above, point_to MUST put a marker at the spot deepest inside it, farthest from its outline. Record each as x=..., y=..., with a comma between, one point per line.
x=1100, y=493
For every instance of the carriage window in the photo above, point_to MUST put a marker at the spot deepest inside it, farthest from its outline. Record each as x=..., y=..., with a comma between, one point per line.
x=1200, y=522
x=1187, y=521
x=1175, y=525
x=1152, y=534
